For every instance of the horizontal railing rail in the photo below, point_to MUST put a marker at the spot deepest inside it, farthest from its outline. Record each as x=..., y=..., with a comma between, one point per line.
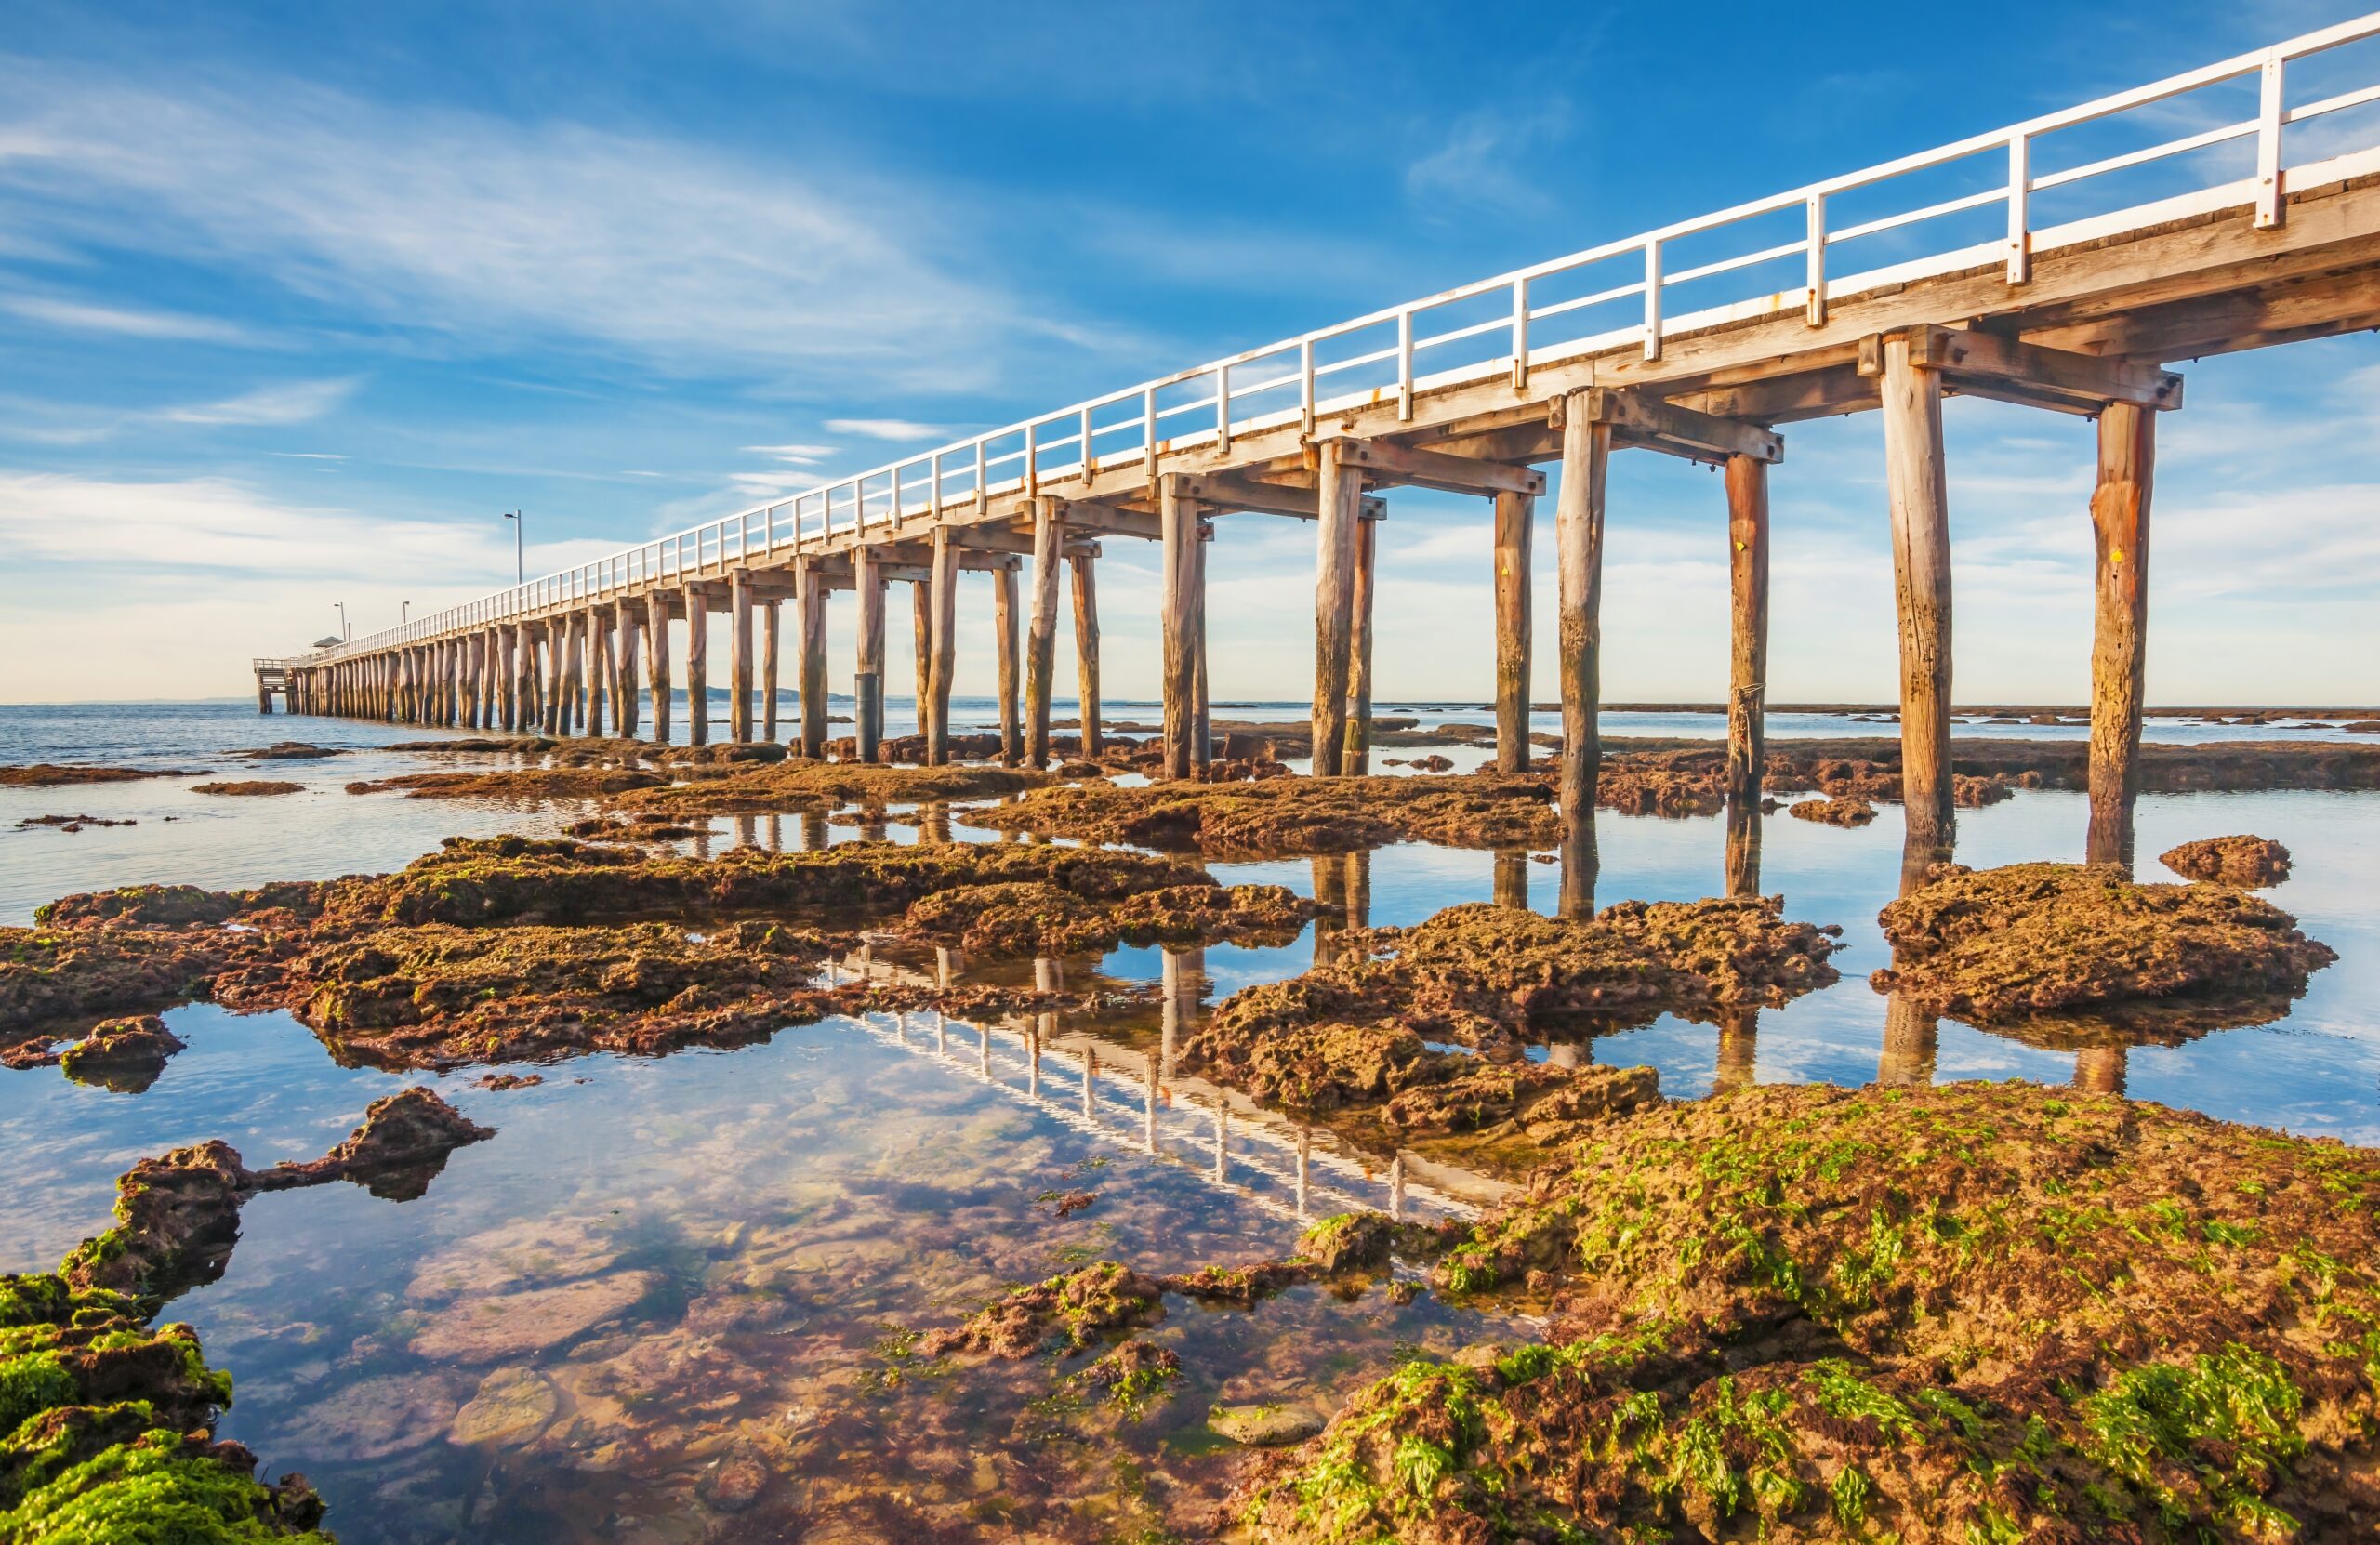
x=1380, y=356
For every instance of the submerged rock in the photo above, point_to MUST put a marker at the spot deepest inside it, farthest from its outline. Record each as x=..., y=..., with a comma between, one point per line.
x=1265, y=1425
x=490, y=1328
x=1841, y=811
x=513, y=1407
x=1077, y=1310
x=249, y=787
x=2248, y=862
x=402, y=1146
x=121, y=1054
x=49, y=774
x=2005, y=1311
x=1992, y=944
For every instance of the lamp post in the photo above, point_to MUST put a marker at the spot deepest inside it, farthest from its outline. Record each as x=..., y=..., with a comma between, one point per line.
x=405, y=612
x=345, y=632
x=519, y=573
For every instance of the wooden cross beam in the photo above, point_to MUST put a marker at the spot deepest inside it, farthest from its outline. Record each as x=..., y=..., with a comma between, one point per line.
x=1645, y=420
x=1085, y=515
x=1787, y=399
x=1224, y=493
x=1385, y=462
x=1986, y=364
x=2285, y=310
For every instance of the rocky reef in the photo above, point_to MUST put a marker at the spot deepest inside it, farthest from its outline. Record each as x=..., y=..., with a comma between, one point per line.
x=1274, y=816
x=2251, y=862
x=1973, y=1312
x=1998, y=944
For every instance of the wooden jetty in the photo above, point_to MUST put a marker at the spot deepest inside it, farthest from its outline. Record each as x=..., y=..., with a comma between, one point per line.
x=2038, y=264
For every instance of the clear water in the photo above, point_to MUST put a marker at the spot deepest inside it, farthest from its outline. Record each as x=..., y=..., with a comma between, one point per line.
x=761, y=1225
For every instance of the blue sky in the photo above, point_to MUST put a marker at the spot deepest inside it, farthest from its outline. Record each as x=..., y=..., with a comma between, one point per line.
x=294, y=299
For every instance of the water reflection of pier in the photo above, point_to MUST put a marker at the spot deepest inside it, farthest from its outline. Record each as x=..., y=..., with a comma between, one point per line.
x=1137, y=1098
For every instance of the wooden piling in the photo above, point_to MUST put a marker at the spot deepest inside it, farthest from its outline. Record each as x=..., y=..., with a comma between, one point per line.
x=598, y=667
x=657, y=655
x=1041, y=644
x=769, y=670
x=508, y=649
x=697, y=667
x=1578, y=541
x=1747, y=627
x=869, y=692
x=1087, y=651
x=1178, y=535
x=1340, y=510
x=1355, y=757
x=1004, y=647
x=945, y=663
x=739, y=657
x=2120, y=527
x=1202, y=737
x=1515, y=514
x=631, y=630
x=1743, y=848
x=557, y=693
x=921, y=620
x=813, y=592
x=581, y=681
x=1921, y=525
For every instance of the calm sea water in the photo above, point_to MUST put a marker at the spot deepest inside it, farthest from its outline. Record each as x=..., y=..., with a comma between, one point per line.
x=758, y=1229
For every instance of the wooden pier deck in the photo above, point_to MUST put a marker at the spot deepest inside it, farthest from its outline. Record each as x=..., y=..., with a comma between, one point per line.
x=1698, y=339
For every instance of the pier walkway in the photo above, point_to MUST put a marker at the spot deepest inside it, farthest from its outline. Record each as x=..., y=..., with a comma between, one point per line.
x=2063, y=262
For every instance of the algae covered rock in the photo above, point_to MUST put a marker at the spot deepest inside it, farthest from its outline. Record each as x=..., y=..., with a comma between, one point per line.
x=1976, y=1312
x=1076, y=1309
x=2248, y=862
x=1993, y=944
x=125, y=1054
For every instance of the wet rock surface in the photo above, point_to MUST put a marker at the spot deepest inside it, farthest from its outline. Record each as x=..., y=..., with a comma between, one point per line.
x=1996, y=944
x=1288, y=816
x=250, y=788
x=1357, y=1032
x=121, y=1054
x=50, y=774
x=2248, y=862
x=1974, y=1312
x=1843, y=811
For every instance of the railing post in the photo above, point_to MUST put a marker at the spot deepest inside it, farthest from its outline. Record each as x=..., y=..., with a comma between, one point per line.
x=2020, y=186
x=1405, y=364
x=1222, y=407
x=1149, y=431
x=1816, y=281
x=1652, y=300
x=1520, y=334
x=1306, y=399
x=2268, y=115
x=1089, y=463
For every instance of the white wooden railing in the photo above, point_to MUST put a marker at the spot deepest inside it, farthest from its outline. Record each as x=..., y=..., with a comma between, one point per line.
x=1622, y=292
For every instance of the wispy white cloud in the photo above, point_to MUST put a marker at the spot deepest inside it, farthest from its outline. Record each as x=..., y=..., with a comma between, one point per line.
x=887, y=429
x=287, y=403
x=297, y=402
x=124, y=321
x=797, y=456
x=490, y=231
x=311, y=456
x=1492, y=158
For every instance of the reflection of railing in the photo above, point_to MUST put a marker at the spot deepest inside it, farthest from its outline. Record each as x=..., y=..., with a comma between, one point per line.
x=1516, y=320
x=1130, y=1095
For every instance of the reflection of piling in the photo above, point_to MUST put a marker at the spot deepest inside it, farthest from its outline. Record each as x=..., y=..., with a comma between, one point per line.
x=1049, y=976
x=1223, y=1135
x=1910, y=1037
x=1739, y=1036
x=776, y=834
x=1743, y=848
x=1570, y=1054
x=2099, y=1069
x=813, y=831
x=933, y=823
x=747, y=832
x=1305, y=1166
x=1043, y=1025
x=1184, y=983
x=1578, y=866
x=947, y=964
x=1512, y=878
x=1331, y=896
x=1359, y=888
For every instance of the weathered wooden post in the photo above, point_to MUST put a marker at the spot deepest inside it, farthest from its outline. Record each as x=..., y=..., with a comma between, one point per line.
x=868, y=690
x=1086, y=650
x=1919, y=500
x=1004, y=645
x=1340, y=508
x=812, y=593
x=657, y=623
x=944, y=665
x=507, y=646
x=1042, y=647
x=2120, y=527
x=1178, y=532
x=557, y=679
x=769, y=670
x=1515, y=514
x=739, y=657
x=598, y=667
x=921, y=619
x=581, y=678
x=697, y=667
x=630, y=628
x=1202, y=734
x=1748, y=634
x=1355, y=759
x=1743, y=848
x=1578, y=541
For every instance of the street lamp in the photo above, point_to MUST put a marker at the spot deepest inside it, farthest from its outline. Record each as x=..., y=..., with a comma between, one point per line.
x=519, y=573
x=345, y=632
x=405, y=612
